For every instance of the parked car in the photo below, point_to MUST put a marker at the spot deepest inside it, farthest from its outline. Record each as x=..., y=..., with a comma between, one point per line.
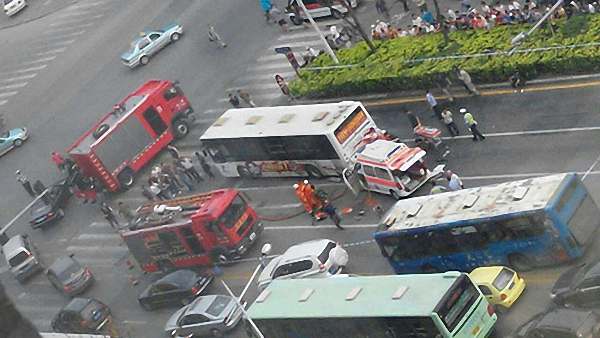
x=206, y=315
x=49, y=208
x=317, y=9
x=22, y=257
x=578, y=286
x=150, y=43
x=499, y=284
x=313, y=259
x=177, y=288
x=13, y=138
x=561, y=323
x=82, y=315
x=12, y=7
x=68, y=276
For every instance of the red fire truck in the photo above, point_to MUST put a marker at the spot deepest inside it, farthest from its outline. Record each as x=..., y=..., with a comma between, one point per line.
x=131, y=135
x=195, y=230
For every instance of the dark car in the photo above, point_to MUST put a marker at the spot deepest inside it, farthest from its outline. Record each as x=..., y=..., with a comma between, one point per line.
x=68, y=276
x=578, y=286
x=177, y=288
x=561, y=323
x=82, y=315
x=49, y=208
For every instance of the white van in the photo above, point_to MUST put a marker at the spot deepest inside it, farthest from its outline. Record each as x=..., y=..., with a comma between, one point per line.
x=21, y=257
x=12, y=7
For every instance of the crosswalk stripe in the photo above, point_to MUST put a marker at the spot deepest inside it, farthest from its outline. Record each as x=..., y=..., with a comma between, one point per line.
x=3, y=102
x=95, y=249
x=74, y=13
x=61, y=43
x=322, y=25
x=99, y=225
x=45, y=59
x=26, y=70
x=214, y=111
x=99, y=237
x=52, y=51
x=268, y=58
x=8, y=94
x=86, y=5
x=67, y=28
x=19, y=78
x=284, y=64
x=13, y=86
x=270, y=76
x=298, y=44
x=37, y=308
x=292, y=36
x=62, y=36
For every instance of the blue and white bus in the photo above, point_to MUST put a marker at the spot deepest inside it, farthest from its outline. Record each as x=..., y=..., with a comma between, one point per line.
x=524, y=224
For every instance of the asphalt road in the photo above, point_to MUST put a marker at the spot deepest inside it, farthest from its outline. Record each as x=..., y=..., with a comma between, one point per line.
x=60, y=73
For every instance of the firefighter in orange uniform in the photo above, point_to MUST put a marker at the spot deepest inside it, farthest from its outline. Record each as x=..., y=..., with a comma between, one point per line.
x=315, y=203
x=300, y=193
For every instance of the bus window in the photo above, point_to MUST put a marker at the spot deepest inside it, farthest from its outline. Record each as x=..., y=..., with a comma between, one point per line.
x=192, y=240
x=154, y=120
x=467, y=237
x=457, y=302
x=566, y=195
x=585, y=220
x=412, y=327
x=523, y=226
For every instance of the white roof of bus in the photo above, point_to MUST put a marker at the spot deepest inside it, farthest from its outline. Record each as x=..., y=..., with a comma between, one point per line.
x=473, y=203
x=281, y=120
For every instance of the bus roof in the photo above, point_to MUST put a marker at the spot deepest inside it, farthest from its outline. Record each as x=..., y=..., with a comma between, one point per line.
x=353, y=296
x=313, y=119
x=474, y=203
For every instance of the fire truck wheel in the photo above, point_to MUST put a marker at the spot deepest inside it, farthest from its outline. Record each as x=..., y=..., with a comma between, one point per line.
x=313, y=172
x=175, y=37
x=180, y=128
x=219, y=254
x=103, y=128
x=394, y=194
x=126, y=178
x=144, y=60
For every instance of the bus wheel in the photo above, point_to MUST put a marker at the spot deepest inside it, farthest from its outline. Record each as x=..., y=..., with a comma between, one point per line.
x=180, y=128
x=519, y=262
x=313, y=172
x=126, y=178
x=394, y=194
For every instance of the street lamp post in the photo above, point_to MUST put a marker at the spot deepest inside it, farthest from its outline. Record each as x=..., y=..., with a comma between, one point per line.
x=517, y=40
x=314, y=24
x=12, y=221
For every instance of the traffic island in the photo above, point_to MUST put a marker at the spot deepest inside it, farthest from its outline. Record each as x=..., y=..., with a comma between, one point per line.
x=567, y=47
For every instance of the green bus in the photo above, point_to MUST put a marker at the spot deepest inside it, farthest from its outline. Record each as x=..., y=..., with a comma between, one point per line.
x=397, y=306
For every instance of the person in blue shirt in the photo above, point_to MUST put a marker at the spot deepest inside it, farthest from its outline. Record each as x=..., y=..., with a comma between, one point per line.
x=427, y=17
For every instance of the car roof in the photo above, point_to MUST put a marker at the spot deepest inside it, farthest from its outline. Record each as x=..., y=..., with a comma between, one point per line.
x=565, y=319
x=485, y=273
x=77, y=304
x=593, y=270
x=179, y=278
x=200, y=304
x=305, y=249
x=63, y=263
x=13, y=244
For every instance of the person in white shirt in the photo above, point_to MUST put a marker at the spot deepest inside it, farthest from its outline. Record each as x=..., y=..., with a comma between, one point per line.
x=433, y=104
x=454, y=182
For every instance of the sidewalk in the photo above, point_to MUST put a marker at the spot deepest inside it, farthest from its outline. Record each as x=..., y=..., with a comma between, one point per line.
x=35, y=9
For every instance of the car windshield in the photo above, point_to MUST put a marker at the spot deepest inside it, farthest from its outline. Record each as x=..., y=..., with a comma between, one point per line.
x=5, y=134
x=88, y=311
x=503, y=278
x=218, y=305
x=233, y=213
x=18, y=259
x=65, y=272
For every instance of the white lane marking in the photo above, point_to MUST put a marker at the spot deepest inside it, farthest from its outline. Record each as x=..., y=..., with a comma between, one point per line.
x=74, y=13
x=19, y=78
x=322, y=25
x=3, y=102
x=13, y=86
x=590, y=168
x=8, y=94
x=99, y=236
x=283, y=65
x=215, y=111
x=67, y=28
x=40, y=60
x=269, y=58
x=26, y=70
x=135, y=322
x=297, y=44
x=52, y=51
x=71, y=22
x=86, y=5
x=279, y=206
x=317, y=226
x=62, y=36
x=61, y=43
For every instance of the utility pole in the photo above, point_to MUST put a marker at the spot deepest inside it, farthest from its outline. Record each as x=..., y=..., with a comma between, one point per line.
x=517, y=40
x=314, y=24
x=356, y=25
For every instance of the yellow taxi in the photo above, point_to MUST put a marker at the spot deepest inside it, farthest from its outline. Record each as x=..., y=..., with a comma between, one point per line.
x=499, y=284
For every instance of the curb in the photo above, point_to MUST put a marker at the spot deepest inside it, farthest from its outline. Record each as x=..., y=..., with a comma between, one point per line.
x=43, y=15
x=419, y=96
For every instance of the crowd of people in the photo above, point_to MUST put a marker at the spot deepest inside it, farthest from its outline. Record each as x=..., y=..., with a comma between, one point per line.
x=484, y=16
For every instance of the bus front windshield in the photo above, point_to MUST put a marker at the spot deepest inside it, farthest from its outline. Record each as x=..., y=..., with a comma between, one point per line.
x=457, y=302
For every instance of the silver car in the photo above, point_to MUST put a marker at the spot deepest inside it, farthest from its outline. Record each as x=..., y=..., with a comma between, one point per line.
x=318, y=258
x=206, y=316
x=150, y=43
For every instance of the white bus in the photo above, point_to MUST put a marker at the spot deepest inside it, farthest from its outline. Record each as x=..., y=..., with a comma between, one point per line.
x=314, y=140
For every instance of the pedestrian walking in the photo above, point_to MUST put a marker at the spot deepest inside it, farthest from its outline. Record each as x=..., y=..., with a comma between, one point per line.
x=333, y=213
x=205, y=166
x=171, y=172
x=213, y=36
x=433, y=104
x=266, y=6
x=472, y=124
x=443, y=82
x=454, y=182
x=234, y=100
x=21, y=178
x=244, y=95
x=283, y=86
x=125, y=212
x=412, y=119
x=449, y=122
x=187, y=164
x=463, y=76
x=382, y=9
x=405, y=5
x=517, y=82
x=109, y=215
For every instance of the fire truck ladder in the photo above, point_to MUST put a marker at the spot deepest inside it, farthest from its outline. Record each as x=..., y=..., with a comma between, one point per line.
x=185, y=202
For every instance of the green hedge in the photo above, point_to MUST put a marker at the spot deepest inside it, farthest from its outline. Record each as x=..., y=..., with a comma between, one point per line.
x=387, y=69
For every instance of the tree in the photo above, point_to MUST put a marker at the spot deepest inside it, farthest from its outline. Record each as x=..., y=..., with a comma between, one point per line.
x=355, y=24
x=12, y=324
